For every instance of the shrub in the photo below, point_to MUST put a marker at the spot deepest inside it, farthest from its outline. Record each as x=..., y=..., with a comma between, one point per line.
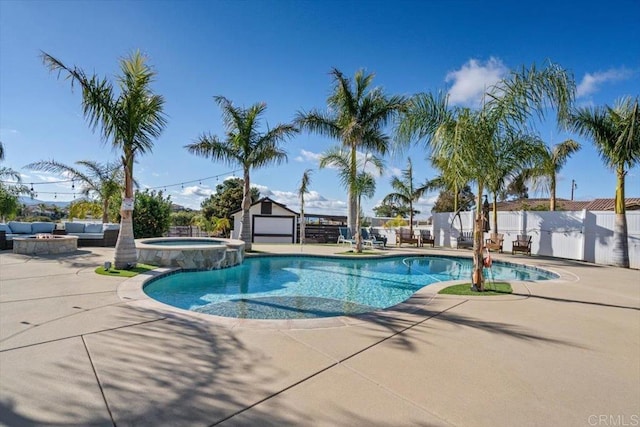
x=151, y=214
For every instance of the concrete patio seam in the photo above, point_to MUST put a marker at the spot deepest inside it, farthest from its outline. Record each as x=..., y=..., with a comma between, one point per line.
x=56, y=296
x=340, y=362
x=82, y=335
x=95, y=373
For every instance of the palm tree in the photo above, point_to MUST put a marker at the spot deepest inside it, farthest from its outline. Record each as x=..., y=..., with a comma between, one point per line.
x=512, y=153
x=405, y=192
x=552, y=160
x=302, y=190
x=103, y=180
x=362, y=185
x=615, y=132
x=245, y=146
x=130, y=120
x=356, y=116
x=467, y=138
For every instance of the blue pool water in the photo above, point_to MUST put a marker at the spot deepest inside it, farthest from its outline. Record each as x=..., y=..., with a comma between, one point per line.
x=293, y=287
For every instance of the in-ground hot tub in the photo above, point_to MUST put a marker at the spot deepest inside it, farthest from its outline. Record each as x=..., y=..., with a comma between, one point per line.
x=202, y=253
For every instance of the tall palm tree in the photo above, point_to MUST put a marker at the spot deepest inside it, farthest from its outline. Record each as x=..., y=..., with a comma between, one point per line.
x=512, y=153
x=102, y=180
x=302, y=190
x=364, y=183
x=466, y=137
x=406, y=193
x=130, y=120
x=615, y=132
x=244, y=146
x=356, y=116
x=551, y=161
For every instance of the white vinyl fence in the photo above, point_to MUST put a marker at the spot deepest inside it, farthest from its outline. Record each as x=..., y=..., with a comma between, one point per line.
x=580, y=235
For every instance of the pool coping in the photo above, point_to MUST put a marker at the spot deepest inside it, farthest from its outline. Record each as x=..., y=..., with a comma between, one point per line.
x=131, y=291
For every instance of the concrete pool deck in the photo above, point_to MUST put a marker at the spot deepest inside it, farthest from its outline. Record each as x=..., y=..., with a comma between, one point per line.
x=75, y=352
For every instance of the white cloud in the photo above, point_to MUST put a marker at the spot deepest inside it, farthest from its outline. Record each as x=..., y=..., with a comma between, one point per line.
x=394, y=171
x=308, y=156
x=314, y=202
x=473, y=80
x=196, y=190
x=590, y=82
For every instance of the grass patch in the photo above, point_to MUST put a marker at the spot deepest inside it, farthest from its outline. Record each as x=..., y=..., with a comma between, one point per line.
x=139, y=268
x=490, y=289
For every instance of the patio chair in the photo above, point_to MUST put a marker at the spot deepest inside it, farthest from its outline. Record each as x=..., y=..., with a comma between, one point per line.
x=465, y=240
x=368, y=240
x=521, y=244
x=403, y=235
x=345, y=236
x=426, y=237
x=494, y=242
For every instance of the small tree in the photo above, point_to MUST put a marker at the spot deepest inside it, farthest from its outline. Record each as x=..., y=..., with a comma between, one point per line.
x=9, y=203
x=227, y=199
x=182, y=218
x=82, y=209
x=152, y=214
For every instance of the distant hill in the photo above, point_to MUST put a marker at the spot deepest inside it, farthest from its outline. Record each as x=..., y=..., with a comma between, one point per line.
x=24, y=200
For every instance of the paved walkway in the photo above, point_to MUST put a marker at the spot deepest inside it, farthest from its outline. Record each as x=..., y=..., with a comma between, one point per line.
x=75, y=351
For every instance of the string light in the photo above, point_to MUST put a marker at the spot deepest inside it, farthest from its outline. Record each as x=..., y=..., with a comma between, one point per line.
x=73, y=186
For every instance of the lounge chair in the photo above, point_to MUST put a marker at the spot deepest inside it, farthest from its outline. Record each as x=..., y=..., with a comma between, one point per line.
x=372, y=241
x=345, y=236
x=521, y=244
x=494, y=242
x=426, y=237
x=403, y=235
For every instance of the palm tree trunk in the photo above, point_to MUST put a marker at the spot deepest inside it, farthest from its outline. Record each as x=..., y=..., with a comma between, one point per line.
x=477, y=277
x=352, y=212
x=410, y=219
x=105, y=211
x=552, y=190
x=620, y=234
x=357, y=228
x=125, y=252
x=495, y=214
x=302, y=222
x=245, y=227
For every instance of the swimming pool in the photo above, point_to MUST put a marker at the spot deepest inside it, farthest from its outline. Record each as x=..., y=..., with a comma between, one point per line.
x=295, y=287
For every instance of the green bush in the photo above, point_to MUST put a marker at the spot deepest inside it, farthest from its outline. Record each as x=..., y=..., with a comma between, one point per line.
x=151, y=214
x=182, y=218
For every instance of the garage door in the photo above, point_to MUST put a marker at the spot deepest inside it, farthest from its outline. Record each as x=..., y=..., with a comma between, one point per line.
x=273, y=229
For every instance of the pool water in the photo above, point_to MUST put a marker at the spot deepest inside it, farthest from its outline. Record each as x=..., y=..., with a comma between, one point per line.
x=293, y=287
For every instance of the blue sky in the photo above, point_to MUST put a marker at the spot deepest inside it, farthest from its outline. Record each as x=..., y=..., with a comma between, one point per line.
x=280, y=52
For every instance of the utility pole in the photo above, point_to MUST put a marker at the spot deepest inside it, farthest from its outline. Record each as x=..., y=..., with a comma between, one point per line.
x=573, y=187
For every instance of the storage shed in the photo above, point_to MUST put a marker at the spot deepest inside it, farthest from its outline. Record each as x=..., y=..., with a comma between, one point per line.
x=271, y=222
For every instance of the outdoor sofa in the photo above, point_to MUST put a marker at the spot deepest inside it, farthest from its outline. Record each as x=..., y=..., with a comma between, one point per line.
x=89, y=234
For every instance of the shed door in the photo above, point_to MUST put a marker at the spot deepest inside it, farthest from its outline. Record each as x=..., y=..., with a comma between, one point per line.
x=273, y=229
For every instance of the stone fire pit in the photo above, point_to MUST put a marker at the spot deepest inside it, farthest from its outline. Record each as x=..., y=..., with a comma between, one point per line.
x=46, y=244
